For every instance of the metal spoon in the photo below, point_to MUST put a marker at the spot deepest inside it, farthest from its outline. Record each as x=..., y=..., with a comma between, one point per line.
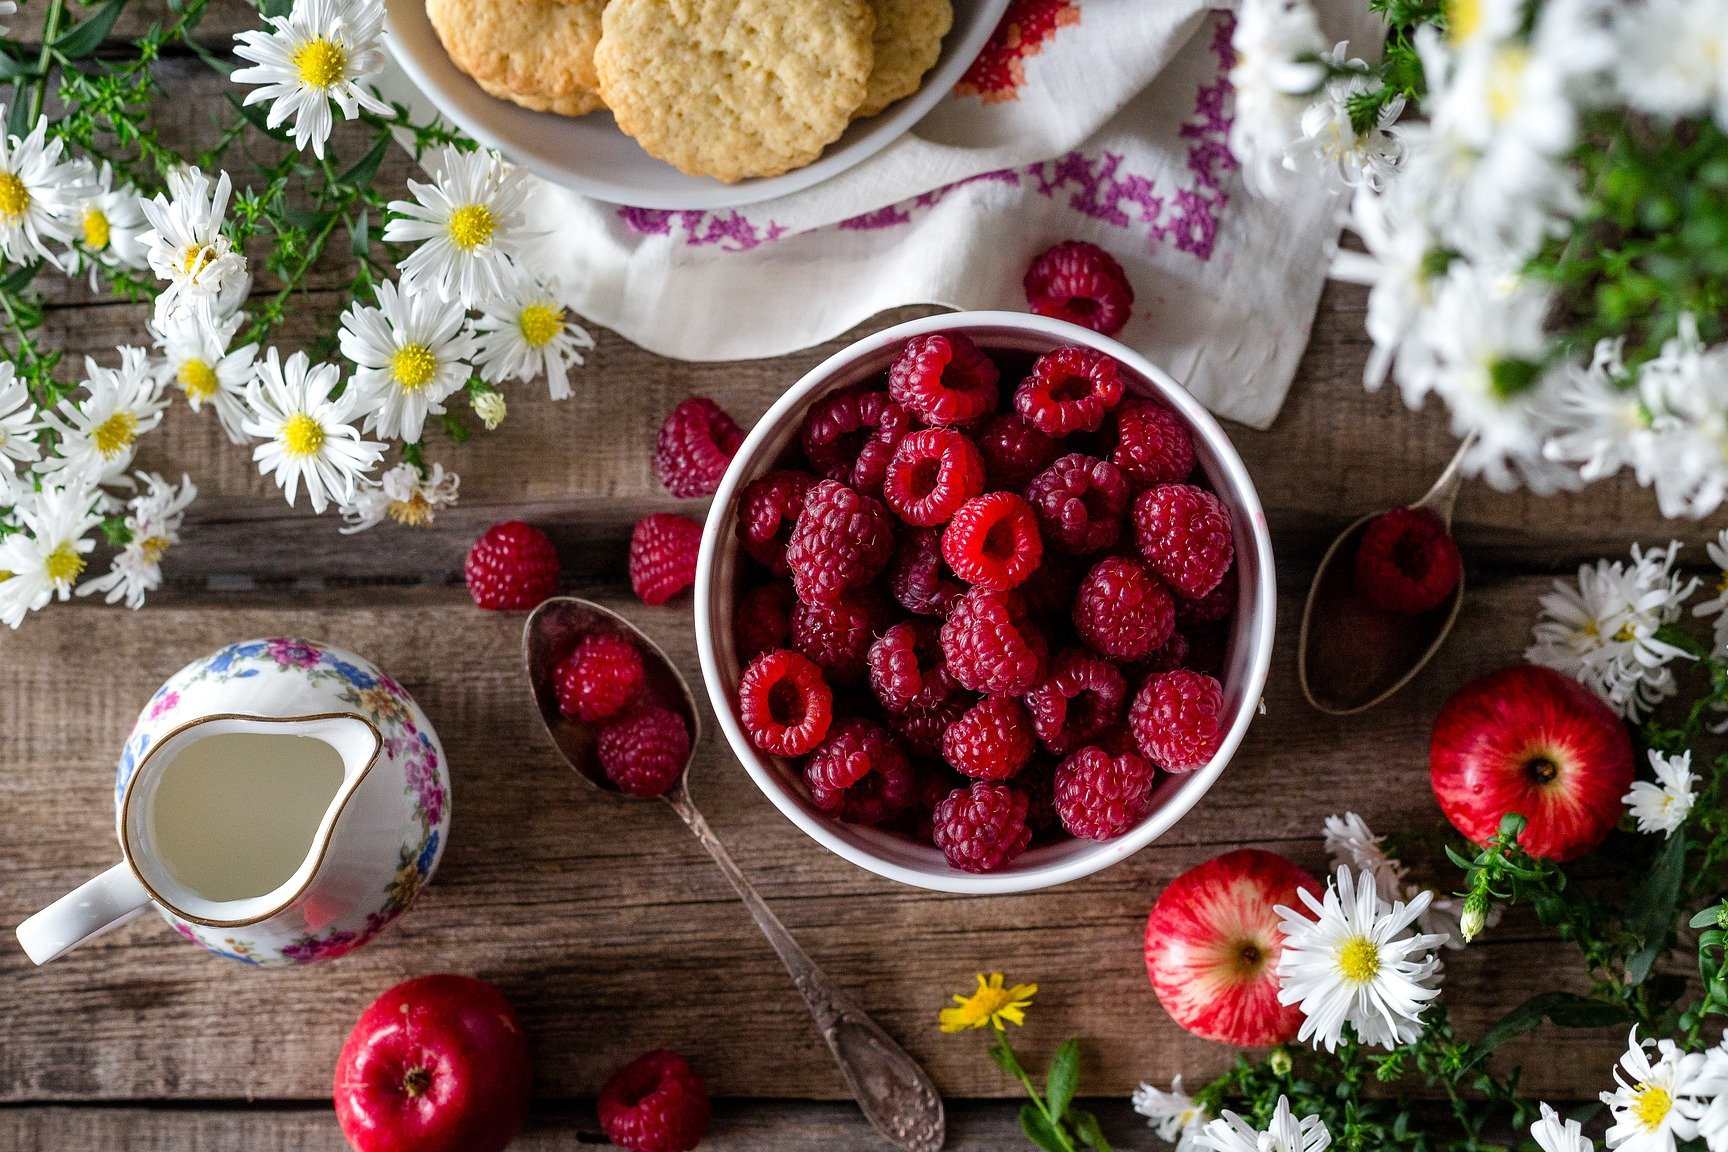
x=894, y=1093
x=1351, y=655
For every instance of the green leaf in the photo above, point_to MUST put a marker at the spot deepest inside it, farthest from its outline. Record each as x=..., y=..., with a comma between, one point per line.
x=273, y=8
x=1653, y=908
x=87, y=35
x=13, y=69
x=1087, y=1128
x=16, y=119
x=1004, y=1058
x=1710, y=915
x=360, y=175
x=1038, y=1129
x=359, y=237
x=1063, y=1079
x=1565, y=1009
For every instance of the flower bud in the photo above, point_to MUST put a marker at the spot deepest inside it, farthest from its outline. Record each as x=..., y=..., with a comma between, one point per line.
x=1279, y=1062
x=1475, y=915
x=491, y=409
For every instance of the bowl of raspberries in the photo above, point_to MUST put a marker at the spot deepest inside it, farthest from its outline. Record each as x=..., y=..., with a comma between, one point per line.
x=985, y=602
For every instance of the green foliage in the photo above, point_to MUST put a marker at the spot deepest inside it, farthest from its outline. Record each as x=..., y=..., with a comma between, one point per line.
x=1049, y=1119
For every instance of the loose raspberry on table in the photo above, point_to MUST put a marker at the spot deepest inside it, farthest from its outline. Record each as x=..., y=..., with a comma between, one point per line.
x=512, y=567
x=1184, y=535
x=1153, y=445
x=992, y=542
x=1218, y=604
x=1082, y=696
x=943, y=378
x=1178, y=719
x=600, y=677
x=917, y=578
x=1082, y=284
x=838, y=636
x=1407, y=562
x=1014, y=450
x=906, y=669
x=1070, y=389
x=861, y=773
x=992, y=741
x=920, y=729
x=663, y=551
x=763, y=620
x=1081, y=502
x=842, y=540
x=1100, y=796
x=991, y=644
x=982, y=827
x=784, y=703
x=655, y=1103
x=696, y=443
x=768, y=508
x=850, y=436
x=1122, y=611
x=933, y=472
x=645, y=750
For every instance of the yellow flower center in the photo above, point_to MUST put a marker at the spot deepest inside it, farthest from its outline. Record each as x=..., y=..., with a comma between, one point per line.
x=153, y=548
x=115, y=434
x=95, y=229
x=1359, y=960
x=63, y=564
x=320, y=63
x=1463, y=20
x=197, y=378
x=471, y=226
x=1626, y=635
x=415, y=512
x=413, y=366
x=1509, y=65
x=539, y=323
x=302, y=436
x=1722, y=582
x=14, y=197
x=196, y=258
x=1651, y=1105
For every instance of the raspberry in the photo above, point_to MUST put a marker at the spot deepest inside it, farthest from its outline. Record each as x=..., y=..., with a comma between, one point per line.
x=1014, y=451
x=1407, y=562
x=992, y=741
x=1174, y=653
x=1122, y=611
x=992, y=542
x=784, y=703
x=644, y=752
x=943, y=378
x=1184, y=534
x=763, y=620
x=1153, y=445
x=917, y=579
x=601, y=676
x=768, y=507
x=694, y=447
x=850, y=436
x=1218, y=604
x=1080, y=502
x=1100, y=796
x=934, y=782
x=981, y=827
x=1082, y=697
x=663, y=551
x=920, y=729
x=1070, y=389
x=843, y=538
x=1082, y=284
x=991, y=645
x=1049, y=592
x=655, y=1103
x=906, y=668
x=1177, y=718
x=512, y=567
x=837, y=636
x=861, y=773
x=1037, y=781
x=934, y=471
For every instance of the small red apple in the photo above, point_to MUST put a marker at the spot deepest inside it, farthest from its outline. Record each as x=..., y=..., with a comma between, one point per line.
x=1531, y=741
x=1212, y=945
x=437, y=1064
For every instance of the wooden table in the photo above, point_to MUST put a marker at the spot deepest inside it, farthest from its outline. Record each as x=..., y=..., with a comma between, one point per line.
x=604, y=922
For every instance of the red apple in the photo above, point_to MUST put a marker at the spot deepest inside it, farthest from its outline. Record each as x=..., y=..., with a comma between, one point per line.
x=1531, y=741
x=1212, y=945
x=437, y=1064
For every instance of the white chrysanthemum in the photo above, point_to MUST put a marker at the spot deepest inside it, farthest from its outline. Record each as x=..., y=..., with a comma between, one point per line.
x=1396, y=267
x=1597, y=421
x=38, y=194
x=1351, y=844
x=1663, y=806
x=469, y=226
x=312, y=58
x=309, y=437
x=1686, y=391
x=411, y=353
x=1716, y=606
x=153, y=517
x=110, y=224
x=1353, y=963
x=18, y=425
x=187, y=248
x=402, y=494
x=1656, y=1104
x=1672, y=58
x=528, y=333
x=1553, y=1134
x=1176, y=1116
x=45, y=559
x=99, y=433
x=1329, y=139
x=1231, y=1133
x=197, y=360
x=1272, y=83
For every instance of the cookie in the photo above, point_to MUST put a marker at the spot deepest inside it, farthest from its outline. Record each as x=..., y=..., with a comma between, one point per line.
x=735, y=88
x=907, y=42
x=576, y=104
x=538, y=53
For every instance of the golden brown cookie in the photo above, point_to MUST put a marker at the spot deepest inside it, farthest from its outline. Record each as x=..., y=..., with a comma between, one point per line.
x=576, y=104
x=735, y=88
x=538, y=53
x=907, y=42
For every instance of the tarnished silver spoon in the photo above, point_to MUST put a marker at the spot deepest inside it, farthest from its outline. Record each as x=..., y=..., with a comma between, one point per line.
x=894, y=1093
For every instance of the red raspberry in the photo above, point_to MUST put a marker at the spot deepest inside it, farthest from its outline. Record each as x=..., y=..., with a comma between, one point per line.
x=906, y=668
x=1070, y=389
x=768, y=507
x=1049, y=592
x=917, y=578
x=1184, y=534
x=655, y=1103
x=1178, y=719
x=992, y=741
x=1037, y=780
x=512, y=567
x=842, y=540
x=943, y=378
x=784, y=703
x=601, y=676
x=663, y=551
x=933, y=472
x=981, y=827
x=694, y=447
x=1174, y=653
x=1080, y=502
x=837, y=636
x=1122, y=611
x=934, y=782
x=763, y=620
x=1014, y=450
x=920, y=729
x=861, y=773
x=1082, y=697
x=1100, y=796
x=991, y=645
x=644, y=752
x=1153, y=445
x=1082, y=284
x=1407, y=562
x=850, y=436
x=992, y=542
x=1218, y=604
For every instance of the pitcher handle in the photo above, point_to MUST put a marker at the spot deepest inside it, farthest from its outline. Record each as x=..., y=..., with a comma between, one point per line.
x=105, y=902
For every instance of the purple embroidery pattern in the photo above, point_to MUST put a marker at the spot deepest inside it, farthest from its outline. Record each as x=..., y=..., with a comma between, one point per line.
x=732, y=232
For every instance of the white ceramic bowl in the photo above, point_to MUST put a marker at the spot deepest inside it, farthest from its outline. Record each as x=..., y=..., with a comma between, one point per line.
x=588, y=154
x=1249, y=648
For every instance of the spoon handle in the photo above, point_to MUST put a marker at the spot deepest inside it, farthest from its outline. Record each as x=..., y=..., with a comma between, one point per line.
x=893, y=1092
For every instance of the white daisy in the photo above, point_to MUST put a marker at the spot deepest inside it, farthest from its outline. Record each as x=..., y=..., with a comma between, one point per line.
x=469, y=226
x=1673, y=58
x=402, y=494
x=196, y=357
x=1329, y=138
x=1597, y=421
x=411, y=353
x=187, y=248
x=1176, y=1116
x=1272, y=83
x=45, y=559
x=1351, y=844
x=1352, y=964
x=38, y=194
x=1231, y=1133
x=1656, y=1104
x=1713, y=1125
x=153, y=517
x=18, y=426
x=1686, y=390
x=312, y=58
x=1397, y=267
x=99, y=434
x=309, y=437
x=489, y=405
x=110, y=224
x=1553, y=1134
x=527, y=333
x=1664, y=805
x=1716, y=606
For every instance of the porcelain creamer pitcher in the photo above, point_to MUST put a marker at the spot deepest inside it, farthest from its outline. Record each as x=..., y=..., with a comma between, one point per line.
x=278, y=801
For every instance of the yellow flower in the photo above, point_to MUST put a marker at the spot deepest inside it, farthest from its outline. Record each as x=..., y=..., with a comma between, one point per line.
x=991, y=1004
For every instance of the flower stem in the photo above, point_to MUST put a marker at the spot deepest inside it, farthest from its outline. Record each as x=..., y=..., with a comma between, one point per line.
x=50, y=32
x=1011, y=1062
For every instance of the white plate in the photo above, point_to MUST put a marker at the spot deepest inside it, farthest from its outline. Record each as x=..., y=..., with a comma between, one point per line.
x=589, y=155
